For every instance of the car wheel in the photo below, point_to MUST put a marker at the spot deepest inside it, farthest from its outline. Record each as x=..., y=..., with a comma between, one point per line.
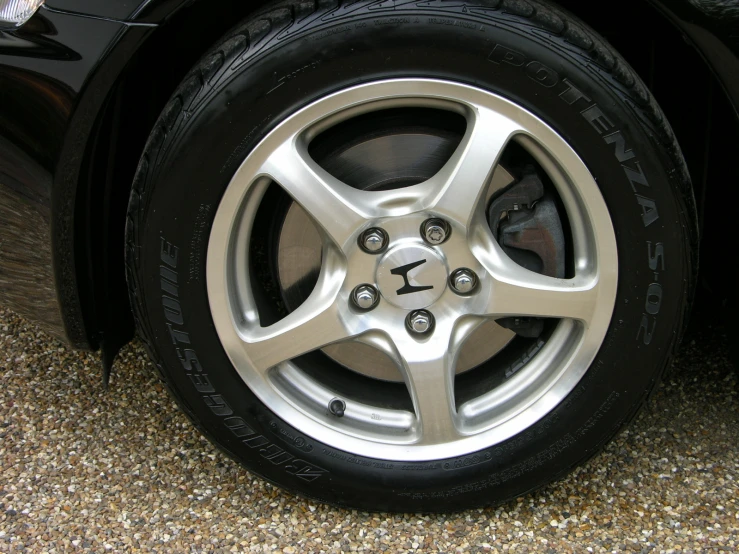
x=411, y=256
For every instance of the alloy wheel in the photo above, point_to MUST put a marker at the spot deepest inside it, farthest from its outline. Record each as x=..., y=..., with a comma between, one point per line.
x=437, y=272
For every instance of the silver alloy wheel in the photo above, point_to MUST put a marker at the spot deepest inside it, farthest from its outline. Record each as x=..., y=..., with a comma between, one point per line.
x=437, y=428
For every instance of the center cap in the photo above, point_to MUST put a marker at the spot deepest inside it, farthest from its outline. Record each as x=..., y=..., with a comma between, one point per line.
x=412, y=277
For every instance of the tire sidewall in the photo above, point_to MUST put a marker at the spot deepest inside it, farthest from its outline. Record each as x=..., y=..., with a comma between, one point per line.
x=500, y=53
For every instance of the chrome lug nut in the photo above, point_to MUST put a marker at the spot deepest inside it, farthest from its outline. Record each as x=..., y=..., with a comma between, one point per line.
x=463, y=281
x=420, y=322
x=365, y=297
x=373, y=241
x=435, y=231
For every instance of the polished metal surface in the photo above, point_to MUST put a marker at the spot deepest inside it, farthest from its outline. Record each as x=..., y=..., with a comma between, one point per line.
x=434, y=231
x=365, y=297
x=484, y=343
x=438, y=427
x=464, y=281
x=411, y=276
x=420, y=321
x=374, y=241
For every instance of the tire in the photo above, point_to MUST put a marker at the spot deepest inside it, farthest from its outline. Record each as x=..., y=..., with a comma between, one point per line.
x=531, y=55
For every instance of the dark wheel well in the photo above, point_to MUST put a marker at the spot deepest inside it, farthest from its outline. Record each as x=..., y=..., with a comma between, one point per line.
x=113, y=153
x=650, y=43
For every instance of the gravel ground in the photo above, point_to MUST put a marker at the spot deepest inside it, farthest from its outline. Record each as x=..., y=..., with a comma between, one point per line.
x=123, y=470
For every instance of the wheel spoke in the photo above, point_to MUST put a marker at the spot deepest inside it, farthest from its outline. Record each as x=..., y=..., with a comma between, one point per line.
x=314, y=324
x=517, y=291
x=462, y=182
x=537, y=295
x=432, y=387
x=428, y=369
x=306, y=329
x=336, y=207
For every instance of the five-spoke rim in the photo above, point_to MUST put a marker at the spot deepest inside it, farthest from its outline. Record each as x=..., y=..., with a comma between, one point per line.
x=438, y=427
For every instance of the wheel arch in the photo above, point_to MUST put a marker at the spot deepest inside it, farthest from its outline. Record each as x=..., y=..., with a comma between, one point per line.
x=128, y=114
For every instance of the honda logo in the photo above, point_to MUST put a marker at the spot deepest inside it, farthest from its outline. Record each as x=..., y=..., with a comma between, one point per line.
x=402, y=271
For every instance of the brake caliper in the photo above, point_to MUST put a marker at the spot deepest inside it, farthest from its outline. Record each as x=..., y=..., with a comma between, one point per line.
x=526, y=223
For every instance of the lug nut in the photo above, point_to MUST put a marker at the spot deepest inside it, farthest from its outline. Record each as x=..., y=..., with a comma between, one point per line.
x=373, y=240
x=420, y=322
x=464, y=281
x=435, y=231
x=365, y=297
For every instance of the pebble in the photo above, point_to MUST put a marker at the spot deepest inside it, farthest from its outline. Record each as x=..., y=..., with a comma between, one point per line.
x=122, y=470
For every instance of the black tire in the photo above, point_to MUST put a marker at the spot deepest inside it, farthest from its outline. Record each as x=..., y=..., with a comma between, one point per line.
x=531, y=52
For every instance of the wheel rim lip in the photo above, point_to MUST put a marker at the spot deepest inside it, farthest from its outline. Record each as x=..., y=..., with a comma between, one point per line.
x=547, y=388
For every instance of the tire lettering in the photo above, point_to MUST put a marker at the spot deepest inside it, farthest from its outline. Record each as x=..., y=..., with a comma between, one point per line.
x=172, y=310
x=218, y=405
x=592, y=113
x=536, y=71
x=168, y=253
x=238, y=426
x=597, y=119
x=648, y=210
x=190, y=361
x=202, y=383
x=644, y=327
x=542, y=74
x=279, y=81
x=177, y=335
x=169, y=281
x=304, y=470
x=653, y=300
x=275, y=454
x=635, y=175
x=501, y=54
x=573, y=94
x=622, y=154
x=658, y=259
